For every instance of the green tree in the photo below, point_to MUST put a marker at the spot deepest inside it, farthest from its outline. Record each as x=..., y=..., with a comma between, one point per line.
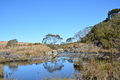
x=113, y=12
x=69, y=40
x=12, y=43
x=51, y=39
x=106, y=33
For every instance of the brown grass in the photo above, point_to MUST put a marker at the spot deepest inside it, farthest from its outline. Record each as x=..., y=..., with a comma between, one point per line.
x=100, y=70
x=1, y=71
x=29, y=49
x=84, y=47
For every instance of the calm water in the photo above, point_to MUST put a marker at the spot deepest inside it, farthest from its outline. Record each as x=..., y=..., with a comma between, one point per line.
x=60, y=68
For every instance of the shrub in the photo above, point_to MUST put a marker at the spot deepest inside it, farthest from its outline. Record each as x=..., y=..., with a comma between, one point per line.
x=12, y=42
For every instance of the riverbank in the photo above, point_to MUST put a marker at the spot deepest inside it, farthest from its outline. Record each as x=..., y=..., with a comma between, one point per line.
x=22, y=51
x=35, y=51
x=95, y=70
x=78, y=47
x=25, y=49
x=90, y=65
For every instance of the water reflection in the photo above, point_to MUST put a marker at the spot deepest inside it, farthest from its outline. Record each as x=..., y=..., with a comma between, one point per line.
x=13, y=67
x=62, y=67
x=53, y=66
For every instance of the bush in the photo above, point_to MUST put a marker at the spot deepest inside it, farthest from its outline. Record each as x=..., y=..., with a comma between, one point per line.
x=12, y=42
x=105, y=34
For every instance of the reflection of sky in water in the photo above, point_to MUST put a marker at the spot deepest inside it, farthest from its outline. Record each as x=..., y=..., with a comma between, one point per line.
x=37, y=72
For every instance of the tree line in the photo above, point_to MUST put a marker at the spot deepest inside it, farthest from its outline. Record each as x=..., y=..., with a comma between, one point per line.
x=57, y=39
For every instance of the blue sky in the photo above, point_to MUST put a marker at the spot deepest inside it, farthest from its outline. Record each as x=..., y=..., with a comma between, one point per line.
x=31, y=20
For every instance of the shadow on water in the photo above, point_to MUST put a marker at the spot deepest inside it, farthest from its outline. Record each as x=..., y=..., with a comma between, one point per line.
x=62, y=67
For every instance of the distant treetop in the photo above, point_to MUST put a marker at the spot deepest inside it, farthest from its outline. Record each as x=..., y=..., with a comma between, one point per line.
x=51, y=39
x=112, y=12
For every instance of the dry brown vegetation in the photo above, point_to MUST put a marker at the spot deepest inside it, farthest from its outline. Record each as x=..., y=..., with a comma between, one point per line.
x=1, y=72
x=100, y=70
x=84, y=47
x=30, y=49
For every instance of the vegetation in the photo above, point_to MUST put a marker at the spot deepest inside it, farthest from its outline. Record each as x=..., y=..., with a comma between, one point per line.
x=51, y=39
x=99, y=70
x=82, y=33
x=103, y=37
x=105, y=34
x=69, y=40
x=1, y=71
x=26, y=49
x=113, y=12
x=12, y=43
x=94, y=70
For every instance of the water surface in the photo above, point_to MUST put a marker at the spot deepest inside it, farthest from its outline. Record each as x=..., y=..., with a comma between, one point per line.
x=62, y=67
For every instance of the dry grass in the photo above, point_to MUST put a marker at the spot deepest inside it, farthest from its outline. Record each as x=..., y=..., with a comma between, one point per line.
x=29, y=49
x=95, y=70
x=84, y=47
x=1, y=71
x=75, y=44
x=2, y=44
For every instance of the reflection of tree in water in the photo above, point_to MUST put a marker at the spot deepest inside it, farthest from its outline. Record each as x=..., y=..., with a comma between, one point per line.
x=9, y=75
x=53, y=66
x=13, y=67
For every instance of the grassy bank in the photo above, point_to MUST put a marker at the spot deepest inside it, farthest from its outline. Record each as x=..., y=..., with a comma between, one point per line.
x=22, y=51
x=28, y=49
x=95, y=70
x=84, y=47
x=1, y=72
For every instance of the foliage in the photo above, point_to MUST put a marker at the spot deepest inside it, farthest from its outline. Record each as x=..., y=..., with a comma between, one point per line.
x=55, y=46
x=51, y=39
x=12, y=42
x=37, y=44
x=69, y=40
x=97, y=70
x=105, y=34
x=100, y=71
x=113, y=12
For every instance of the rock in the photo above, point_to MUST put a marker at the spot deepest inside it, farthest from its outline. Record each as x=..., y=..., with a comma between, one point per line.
x=60, y=50
x=52, y=53
x=99, y=56
x=118, y=59
x=9, y=55
x=83, y=55
x=106, y=57
x=4, y=53
x=49, y=53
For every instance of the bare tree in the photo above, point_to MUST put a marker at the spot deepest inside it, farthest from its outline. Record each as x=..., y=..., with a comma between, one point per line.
x=82, y=33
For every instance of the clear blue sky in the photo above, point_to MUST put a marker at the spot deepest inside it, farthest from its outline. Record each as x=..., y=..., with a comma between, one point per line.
x=31, y=20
